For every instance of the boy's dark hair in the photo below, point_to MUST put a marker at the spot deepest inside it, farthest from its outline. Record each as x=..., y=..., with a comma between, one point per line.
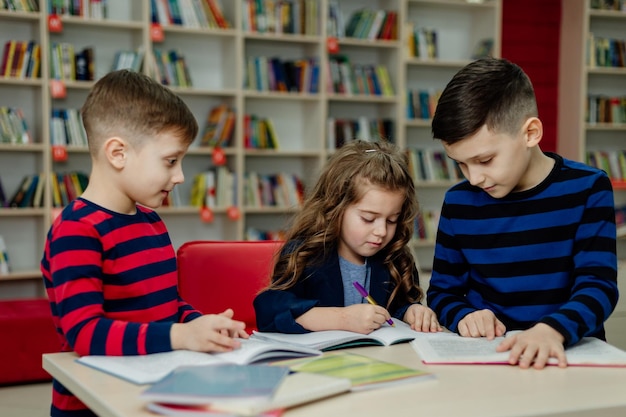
x=490, y=91
x=132, y=105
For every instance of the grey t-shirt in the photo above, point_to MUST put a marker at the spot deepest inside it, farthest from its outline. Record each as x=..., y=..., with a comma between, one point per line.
x=351, y=273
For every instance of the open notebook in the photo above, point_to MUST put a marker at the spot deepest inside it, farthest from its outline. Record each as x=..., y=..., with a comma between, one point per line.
x=147, y=369
x=450, y=348
x=337, y=339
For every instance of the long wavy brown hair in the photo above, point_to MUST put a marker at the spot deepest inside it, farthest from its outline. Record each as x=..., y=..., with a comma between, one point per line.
x=316, y=228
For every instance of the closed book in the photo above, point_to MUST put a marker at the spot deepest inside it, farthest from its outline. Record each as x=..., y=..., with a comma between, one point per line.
x=218, y=384
x=297, y=388
x=363, y=371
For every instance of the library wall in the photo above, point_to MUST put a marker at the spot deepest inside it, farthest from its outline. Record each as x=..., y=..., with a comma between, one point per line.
x=530, y=38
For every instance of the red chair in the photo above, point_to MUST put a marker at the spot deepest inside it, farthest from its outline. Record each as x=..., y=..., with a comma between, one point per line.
x=216, y=275
x=27, y=333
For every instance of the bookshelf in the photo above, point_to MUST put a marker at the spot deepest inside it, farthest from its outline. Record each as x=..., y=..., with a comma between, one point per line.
x=580, y=78
x=460, y=27
x=217, y=61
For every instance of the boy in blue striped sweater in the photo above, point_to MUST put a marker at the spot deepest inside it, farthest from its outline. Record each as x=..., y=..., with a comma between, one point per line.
x=528, y=241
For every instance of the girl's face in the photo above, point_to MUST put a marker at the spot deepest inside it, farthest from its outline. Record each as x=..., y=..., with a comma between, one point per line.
x=369, y=224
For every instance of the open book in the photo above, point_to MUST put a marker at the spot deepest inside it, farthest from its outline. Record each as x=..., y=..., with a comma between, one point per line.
x=147, y=369
x=450, y=348
x=337, y=339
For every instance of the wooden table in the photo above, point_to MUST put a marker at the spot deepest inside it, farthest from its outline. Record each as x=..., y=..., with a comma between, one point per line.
x=457, y=390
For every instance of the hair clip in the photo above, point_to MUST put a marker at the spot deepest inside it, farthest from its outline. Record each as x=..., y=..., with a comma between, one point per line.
x=370, y=150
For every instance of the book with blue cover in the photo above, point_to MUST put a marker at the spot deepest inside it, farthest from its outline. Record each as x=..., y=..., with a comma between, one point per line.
x=243, y=390
x=217, y=383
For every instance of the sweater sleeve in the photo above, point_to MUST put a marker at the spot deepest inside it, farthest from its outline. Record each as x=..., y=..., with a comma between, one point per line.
x=276, y=311
x=97, y=325
x=594, y=291
x=448, y=282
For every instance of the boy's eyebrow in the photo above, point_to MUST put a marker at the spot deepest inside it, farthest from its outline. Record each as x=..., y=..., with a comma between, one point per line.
x=476, y=156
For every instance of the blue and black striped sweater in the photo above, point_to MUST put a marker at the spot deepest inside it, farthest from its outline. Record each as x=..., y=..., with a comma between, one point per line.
x=546, y=255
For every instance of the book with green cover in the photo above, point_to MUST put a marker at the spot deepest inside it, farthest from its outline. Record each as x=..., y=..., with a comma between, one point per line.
x=363, y=372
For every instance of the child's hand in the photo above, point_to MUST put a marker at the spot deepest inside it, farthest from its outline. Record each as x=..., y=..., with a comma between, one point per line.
x=481, y=323
x=208, y=333
x=534, y=347
x=233, y=333
x=363, y=318
x=422, y=319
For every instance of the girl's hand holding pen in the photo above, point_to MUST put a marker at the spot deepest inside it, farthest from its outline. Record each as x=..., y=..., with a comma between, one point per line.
x=364, y=318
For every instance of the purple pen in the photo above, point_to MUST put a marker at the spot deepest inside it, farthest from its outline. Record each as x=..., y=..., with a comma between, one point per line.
x=369, y=298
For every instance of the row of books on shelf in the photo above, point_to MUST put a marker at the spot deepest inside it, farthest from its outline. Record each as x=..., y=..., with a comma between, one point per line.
x=4, y=258
x=364, y=23
x=609, y=5
x=372, y=24
x=421, y=104
x=300, y=17
x=606, y=52
x=216, y=187
x=66, y=186
x=426, y=224
x=259, y=133
x=220, y=127
x=421, y=42
x=197, y=14
x=66, y=128
x=274, y=74
x=92, y=9
x=170, y=68
x=213, y=188
x=613, y=162
x=21, y=59
x=13, y=127
x=432, y=165
x=347, y=78
x=604, y=109
x=342, y=131
x=20, y=5
x=273, y=190
x=67, y=64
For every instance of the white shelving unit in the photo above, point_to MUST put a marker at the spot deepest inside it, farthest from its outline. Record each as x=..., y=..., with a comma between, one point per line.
x=216, y=60
x=460, y=26
x=577, y=80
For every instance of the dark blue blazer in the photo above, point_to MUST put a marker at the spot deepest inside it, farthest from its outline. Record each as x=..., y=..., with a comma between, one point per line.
x=320, y=286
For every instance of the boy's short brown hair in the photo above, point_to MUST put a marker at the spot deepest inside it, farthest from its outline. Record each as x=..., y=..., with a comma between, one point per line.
x=134, y=106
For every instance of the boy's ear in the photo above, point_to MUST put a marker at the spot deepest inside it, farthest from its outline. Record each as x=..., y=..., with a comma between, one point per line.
x=533, y=131
x=116, y=152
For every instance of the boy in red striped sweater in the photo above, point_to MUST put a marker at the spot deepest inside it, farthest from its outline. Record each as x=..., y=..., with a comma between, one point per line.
x=109, y=266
